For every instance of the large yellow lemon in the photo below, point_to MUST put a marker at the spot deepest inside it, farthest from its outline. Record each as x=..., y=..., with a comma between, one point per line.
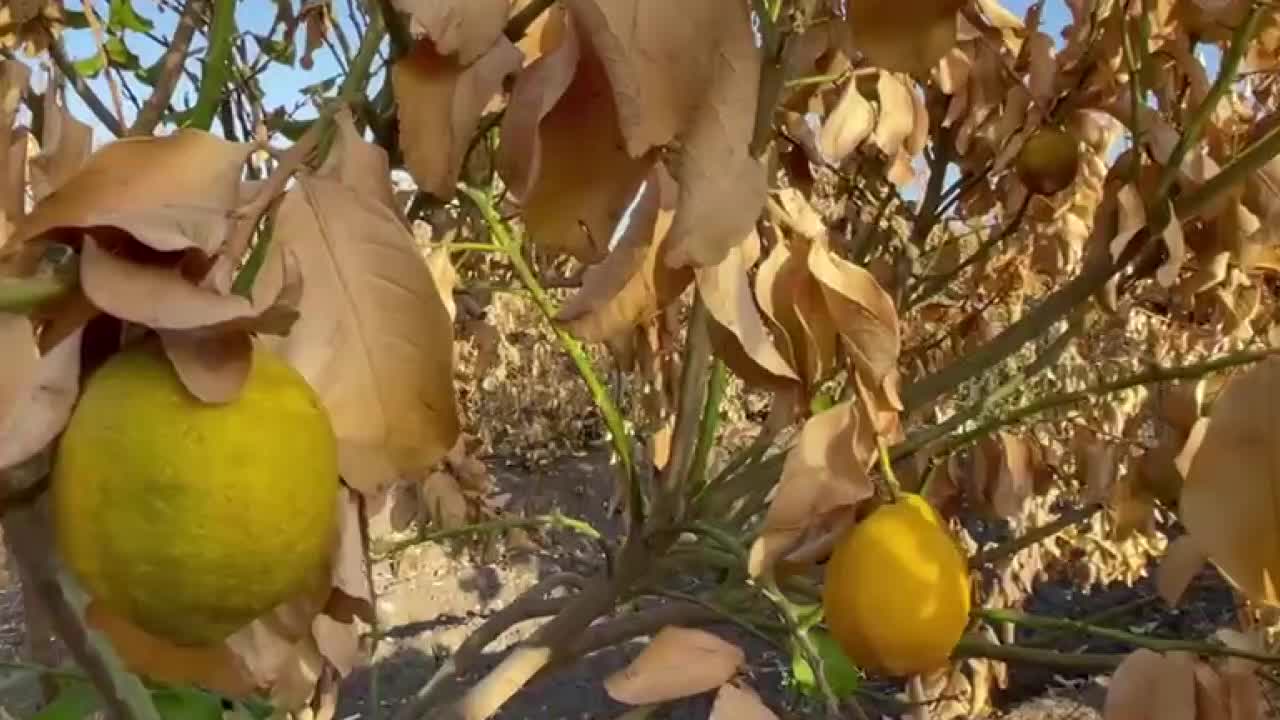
x=192, y=519
x=896, y=593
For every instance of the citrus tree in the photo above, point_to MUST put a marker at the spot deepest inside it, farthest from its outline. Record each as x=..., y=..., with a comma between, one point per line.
x=988, y=266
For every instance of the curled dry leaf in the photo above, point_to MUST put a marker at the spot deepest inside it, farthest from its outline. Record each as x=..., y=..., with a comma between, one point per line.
x=825, y=474
x=371, y=321
x=462, y=28
x=66, y=144
x=1182, y=561
x=440, y=100
x=864, y=315
x=687, y=72
x=1152, y=686
x=848, y=124
x=213, y=366
x=632, y=283
x=37, y=393
x=911, y=42
x=745, y=343
x=560, y=113
x=1229, y=498
x=677, y=663
x=734, y=702
x=793, y=299
x=170, y=193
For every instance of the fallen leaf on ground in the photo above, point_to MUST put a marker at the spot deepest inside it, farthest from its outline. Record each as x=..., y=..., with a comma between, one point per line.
x=439, y=103
x=677, y=663
x=1229, y=500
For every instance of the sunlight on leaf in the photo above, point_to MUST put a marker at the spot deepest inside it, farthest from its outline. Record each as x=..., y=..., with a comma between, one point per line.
x=677, y=663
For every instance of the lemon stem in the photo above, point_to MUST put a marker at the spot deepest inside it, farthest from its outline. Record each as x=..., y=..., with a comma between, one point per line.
x=888, y=482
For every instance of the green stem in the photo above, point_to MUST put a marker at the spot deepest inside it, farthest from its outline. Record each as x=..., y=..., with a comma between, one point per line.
x=1147, y=377
x=1040, y=622
x=23, y=295
x=217, y=65
x=716, y=385
x=1093, y=662
x=510, y=246
x=553, y=520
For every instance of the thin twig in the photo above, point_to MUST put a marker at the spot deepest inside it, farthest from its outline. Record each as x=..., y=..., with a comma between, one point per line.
x=100, y=38
x=171, y=66
x=86, y=93
x=1035, y=535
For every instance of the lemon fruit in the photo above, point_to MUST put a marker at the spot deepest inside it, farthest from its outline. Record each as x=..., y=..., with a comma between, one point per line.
x=896, y=592
x=190, y=519
x=1048, y=161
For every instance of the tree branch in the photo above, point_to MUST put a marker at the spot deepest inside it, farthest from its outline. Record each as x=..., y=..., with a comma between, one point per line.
x=1034, y=535
x=217, y=65
x=171, y=66
x=99, y=108
x=1084, y=662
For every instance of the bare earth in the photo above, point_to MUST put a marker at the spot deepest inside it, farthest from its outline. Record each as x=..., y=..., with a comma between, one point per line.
x=433, y=596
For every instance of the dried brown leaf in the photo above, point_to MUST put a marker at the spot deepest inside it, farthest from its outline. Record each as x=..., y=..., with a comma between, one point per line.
x=213, y=366
x=351, y=596
x=793, y=299
x=726, y=290
x=558, y=115
x=37, y=393
x=677, y=663
x=734, y=702
x=1151, y=686
x=632, y=283
x=825, y=472
x=371, y=323
x=862, y=311
x=440, y=101
x=911, y=42
x=688, y=72
x=1229, y=499
x=65, y=146
x=848, y=124
x=444, y=501
x=1182, y=561
x=171, y=193
x=465, y=28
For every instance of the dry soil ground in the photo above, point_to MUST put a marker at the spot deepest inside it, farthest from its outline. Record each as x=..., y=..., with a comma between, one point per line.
x=432, y=596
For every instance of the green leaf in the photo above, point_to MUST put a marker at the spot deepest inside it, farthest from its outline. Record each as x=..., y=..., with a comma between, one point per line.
x=187, y=704
x=122, y=16
x=821, y=402
x=842, y=676
x=282, y=52
x=75, y=19
x=74, y=702
x=91, y=66
x=120, y=54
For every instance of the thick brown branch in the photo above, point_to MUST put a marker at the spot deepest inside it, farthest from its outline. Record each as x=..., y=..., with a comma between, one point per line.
x=170, y=69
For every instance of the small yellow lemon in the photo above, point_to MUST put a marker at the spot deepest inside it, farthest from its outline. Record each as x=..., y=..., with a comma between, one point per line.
x=192, y=519
x=896, y=593
x=1048, y=161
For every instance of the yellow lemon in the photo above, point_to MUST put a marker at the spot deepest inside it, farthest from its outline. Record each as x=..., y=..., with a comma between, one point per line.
x=896, y=593
x=1048, y=161
x=192, y=519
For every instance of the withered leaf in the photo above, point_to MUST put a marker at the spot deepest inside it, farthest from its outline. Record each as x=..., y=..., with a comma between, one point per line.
x=465, y=28
x=444, y=501
x=171, y=193
x=910, y=42
x=689, y=72
x=825, y=472
x=1148, y=686
x=560, y=112
x=440, y=101
x=738, y=703
x=726, y=290
x=632, y=283
x=66, y=144
x=214, y=365
x=792, y=298
x=371, y=322
x=351, y=596
x=1229, y=498
x=37, y=393
x=847, y=125
x=862, y=311
x=153, y=295
x=677, y=663
x=1182, y=561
